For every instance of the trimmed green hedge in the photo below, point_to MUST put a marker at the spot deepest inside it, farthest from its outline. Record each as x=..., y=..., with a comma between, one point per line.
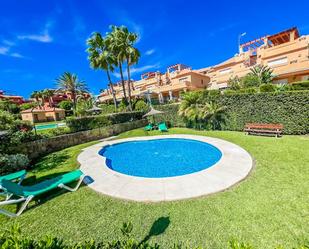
x=170, y=115
x=91, y=122
x=288, y=108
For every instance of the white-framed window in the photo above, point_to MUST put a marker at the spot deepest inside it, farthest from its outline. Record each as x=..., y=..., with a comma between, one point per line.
x=183, y=79
x=225, y=71
x=277, y=62
x=281, y=82
x=305, y=77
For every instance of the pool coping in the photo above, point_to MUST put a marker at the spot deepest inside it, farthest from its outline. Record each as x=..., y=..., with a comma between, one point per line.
x=234, y=166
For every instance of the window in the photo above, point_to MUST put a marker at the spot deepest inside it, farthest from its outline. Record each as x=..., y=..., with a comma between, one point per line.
x=225, y=71
x=281, y=81
x=183, y=79
x=277, y=61
x=305, y=77
x=202, y=82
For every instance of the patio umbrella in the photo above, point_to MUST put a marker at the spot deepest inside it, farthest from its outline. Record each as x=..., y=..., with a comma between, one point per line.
x=95, y=109
x=152, y=113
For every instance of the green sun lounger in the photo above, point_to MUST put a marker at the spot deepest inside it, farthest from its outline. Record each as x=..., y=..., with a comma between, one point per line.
x=148, y=127
x=18, y=176
x=27, y=193
x=162, y=127
x=14, y=176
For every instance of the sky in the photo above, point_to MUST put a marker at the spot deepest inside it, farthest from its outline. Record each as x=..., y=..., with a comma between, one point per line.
x=39, y=40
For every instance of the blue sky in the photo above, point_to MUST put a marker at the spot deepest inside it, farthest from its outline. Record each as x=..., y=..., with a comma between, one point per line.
x=39, y=40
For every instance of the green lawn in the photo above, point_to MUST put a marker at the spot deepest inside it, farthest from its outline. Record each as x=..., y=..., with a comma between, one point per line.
x=269, y=208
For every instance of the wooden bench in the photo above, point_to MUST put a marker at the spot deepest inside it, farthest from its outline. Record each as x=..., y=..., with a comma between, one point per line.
x=264, y=129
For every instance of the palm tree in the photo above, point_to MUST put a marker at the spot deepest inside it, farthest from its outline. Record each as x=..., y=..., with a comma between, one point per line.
x=132, y=57
x=116, y=45
x=126, y=39
x=264, y=74
x=213, y=114
x=68, y=82
x=101, y=58
x=190, y=107
x=49, y=93
x=37, y=95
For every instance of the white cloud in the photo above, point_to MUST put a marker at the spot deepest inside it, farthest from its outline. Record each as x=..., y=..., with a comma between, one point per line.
x=6, y=51
x=17, y=55
x=135, y=70
x=144, y=68
x=41, y=37
x=8, y=43
x=149, y=52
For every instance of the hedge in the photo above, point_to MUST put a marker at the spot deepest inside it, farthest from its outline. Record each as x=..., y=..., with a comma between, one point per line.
x=91, y=122
x=288, y=108
x=38, y=148
x=170, y=115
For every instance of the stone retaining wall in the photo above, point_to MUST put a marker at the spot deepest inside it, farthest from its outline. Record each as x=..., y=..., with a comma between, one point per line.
x=42, y=147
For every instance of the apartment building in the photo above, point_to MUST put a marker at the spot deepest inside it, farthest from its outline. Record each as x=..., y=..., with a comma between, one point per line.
x=163, y=87
x=287, y=53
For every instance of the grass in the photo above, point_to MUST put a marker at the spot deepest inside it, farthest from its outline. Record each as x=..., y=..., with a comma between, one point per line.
x=269, y=208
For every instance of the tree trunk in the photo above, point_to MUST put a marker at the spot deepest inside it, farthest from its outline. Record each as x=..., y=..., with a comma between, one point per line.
x=112, y=87
x=122, y=83
x=129, y=85
x=74, y=102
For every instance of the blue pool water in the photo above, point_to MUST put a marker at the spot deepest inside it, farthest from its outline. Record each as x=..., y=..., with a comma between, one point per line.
x=46, y=126
x=161, y=157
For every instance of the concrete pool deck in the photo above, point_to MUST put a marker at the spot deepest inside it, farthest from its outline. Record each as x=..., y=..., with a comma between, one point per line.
x=234, y=165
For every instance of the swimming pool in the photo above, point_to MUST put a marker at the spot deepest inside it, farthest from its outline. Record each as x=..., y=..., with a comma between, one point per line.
x=160, y=157
x=49, y=126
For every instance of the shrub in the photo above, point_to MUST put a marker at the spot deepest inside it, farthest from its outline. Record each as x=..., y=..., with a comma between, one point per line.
x=300, y=85
x=66, y=105
x=122, y=117
x=170, y=115
x=249, y=90
x=86, y=123
x=12, y=163
x=19, y=125
x=269, y=87
x=234, y=83
x=250, y=80
x=55, y=132
x=6, y=120
x=92, y=122
x=141, y=106
x=7, y=105
x=26, y=106
x=107, y=108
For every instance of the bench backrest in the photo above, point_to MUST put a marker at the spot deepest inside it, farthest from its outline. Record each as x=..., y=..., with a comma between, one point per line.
x=264, y=126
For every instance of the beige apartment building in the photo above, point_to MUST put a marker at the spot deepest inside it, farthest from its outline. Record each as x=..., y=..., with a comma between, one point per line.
x=164, y=87
x=287, y=53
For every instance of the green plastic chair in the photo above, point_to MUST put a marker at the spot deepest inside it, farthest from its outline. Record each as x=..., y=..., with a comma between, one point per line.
x=27, y=193
x=148, y=127
x=162, y=127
